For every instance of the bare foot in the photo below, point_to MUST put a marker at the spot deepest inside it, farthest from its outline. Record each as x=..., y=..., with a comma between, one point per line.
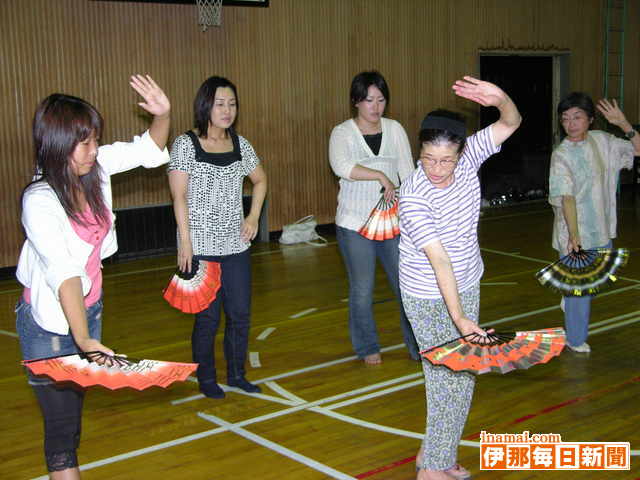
x=459, y=472
x=433, y=475
x=373, y=359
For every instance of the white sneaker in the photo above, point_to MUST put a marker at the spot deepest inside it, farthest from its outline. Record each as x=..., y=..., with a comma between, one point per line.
x=584, y=348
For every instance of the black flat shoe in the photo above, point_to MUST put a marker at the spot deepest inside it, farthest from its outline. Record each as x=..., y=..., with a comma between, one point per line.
x=243, y=384
x=211, y=390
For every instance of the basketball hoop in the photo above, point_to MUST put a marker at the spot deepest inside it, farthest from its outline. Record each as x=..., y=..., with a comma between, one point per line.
x=209, y=13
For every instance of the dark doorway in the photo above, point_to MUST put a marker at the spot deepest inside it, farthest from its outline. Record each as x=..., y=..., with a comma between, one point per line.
x=520, y=171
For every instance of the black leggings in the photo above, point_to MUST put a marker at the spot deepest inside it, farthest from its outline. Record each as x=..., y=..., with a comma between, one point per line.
x=62, y=411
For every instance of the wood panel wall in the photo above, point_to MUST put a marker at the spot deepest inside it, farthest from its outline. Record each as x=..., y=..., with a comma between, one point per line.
x=292, y=63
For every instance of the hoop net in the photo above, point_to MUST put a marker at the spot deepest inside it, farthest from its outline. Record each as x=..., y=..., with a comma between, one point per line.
x=209, y=13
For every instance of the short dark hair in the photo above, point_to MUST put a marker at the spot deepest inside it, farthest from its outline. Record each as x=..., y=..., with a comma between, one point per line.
x=203, y=103
x=443, y=135
x=60, y=123
x=361, y=83
x=580, y=100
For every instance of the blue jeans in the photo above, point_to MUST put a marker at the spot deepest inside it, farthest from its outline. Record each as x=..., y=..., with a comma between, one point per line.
x=235, y=297
x=577, y=311
x=35, y=342
x=359, y=254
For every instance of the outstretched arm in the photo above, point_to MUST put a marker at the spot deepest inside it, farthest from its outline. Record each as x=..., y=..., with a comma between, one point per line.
x=490, y=95
x=157, y=104
x=446, y=279
x=615, y=116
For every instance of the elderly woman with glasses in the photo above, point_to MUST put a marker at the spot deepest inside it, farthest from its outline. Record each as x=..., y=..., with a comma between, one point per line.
x=583, y=180
x=440, y=264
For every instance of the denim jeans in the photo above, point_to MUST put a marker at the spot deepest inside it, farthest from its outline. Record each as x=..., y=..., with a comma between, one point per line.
x=61, y=405
x=35, y=342
x=359, y=255
x=235, y=297
x=577, y=311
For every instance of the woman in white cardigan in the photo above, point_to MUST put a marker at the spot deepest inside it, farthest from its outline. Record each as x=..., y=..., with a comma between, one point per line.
x=69, y=225
x=370, y=154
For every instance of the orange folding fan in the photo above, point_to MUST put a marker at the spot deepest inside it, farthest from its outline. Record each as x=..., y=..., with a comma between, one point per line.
x=383, y=222
x=86, y=370
x=498, y=352
x=194, y=291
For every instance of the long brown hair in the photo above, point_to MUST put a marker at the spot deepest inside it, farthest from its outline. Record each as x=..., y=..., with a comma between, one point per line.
x=59, y=124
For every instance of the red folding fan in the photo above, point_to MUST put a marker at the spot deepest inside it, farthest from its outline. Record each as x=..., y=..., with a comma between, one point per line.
x=383, y=222
x=96, y=368
x=498, y=352
x=194, y=291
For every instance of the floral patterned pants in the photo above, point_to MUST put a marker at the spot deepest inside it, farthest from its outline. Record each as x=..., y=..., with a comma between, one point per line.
x=449, y=393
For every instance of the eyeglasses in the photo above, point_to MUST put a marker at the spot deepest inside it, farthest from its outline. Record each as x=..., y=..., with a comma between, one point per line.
x=432, y=162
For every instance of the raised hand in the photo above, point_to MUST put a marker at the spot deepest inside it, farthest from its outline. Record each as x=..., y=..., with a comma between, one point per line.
x=485, y=93
x=612, y=113
x=155, y=100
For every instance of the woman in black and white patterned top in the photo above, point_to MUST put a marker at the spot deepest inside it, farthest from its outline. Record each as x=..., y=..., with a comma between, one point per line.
x=206, y=172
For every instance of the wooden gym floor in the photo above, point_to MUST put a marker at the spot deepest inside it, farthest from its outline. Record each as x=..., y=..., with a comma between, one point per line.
x=322, y=413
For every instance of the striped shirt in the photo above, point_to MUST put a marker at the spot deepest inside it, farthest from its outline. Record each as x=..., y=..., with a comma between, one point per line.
x=450, y=215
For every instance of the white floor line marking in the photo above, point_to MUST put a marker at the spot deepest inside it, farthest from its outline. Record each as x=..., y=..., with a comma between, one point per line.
x=254, y=359
x=172, y=267
x=263, y=396
x=344, y=300
x=135, y=272
x=315, y=403
x=303, y=312
x=243, y=423
x=266, y=332
x=498, y=252
x=613, y=319
x=284, y=250
x=285, y=393
x=378, y=393
x=539, y=260
x=294, y=372
x=8, y=334
x=225, y=388
x=500, y=217
x=323, y=365
x=143, y=451
x=262, y=418
x=469, y=443
x=187, y=399
x=309, y=462
x=548, y=309
x=635, y=452
x=365, y=424
x=615, y=325
x=497, y=283
x=520, y=315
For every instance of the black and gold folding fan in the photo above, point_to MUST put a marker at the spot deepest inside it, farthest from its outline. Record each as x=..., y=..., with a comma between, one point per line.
x=585, y=272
